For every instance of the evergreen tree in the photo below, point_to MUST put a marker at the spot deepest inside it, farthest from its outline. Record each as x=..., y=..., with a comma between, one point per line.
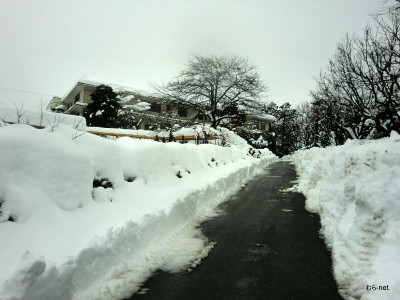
x=103, y=111
x=285, y=132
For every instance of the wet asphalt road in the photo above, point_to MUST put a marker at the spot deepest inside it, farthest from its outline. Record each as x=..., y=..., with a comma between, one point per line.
x=268, y=247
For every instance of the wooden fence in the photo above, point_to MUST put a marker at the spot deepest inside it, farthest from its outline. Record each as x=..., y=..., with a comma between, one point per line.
x=156, y=137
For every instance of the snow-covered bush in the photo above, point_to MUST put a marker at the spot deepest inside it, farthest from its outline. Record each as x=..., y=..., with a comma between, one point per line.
x=254, y=138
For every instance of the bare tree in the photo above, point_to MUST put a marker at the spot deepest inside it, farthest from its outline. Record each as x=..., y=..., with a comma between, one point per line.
x=57, y=119
x=380, y=49
x=216, y=86
x=77, y=132
x=362, y=82
x=42, y=111
x=305, y=126
x=131, y=116
x=19, y=113
x=4, y=120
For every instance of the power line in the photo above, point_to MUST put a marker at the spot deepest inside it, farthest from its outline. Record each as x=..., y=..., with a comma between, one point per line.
x=16, y=90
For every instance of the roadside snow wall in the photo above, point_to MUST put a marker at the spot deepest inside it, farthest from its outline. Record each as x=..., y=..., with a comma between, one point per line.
x=82, y=217
x=355, y=188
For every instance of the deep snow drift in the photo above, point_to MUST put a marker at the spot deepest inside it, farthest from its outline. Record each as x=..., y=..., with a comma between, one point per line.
x=355, y=188
x=83, y=217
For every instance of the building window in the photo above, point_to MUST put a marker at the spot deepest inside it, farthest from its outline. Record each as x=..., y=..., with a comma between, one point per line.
x=77, y=97
x=155, y=107
x=255, y=124
x=182, y=112
x=258, y=125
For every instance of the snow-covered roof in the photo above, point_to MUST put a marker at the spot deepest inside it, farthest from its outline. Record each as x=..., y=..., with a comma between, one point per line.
x=119, y=88
x=263, y=117
x=116, y=85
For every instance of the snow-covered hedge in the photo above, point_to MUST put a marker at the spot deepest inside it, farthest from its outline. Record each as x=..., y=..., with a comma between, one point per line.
x=82, y=217
x=356, y=190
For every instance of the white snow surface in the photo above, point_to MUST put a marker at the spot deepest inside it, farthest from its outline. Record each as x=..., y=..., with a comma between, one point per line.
x=355, y=188
x=62, y=238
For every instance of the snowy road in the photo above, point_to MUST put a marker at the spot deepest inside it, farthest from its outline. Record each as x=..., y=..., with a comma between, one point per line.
x=268, y=247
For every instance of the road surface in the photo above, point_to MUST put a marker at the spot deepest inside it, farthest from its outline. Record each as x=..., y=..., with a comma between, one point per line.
x=268, y=247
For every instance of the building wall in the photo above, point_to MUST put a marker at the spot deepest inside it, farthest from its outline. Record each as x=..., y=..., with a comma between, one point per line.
x=85, y=95
x=257, y=124
x=54, y=102
x=84, y=92
x=162, y=110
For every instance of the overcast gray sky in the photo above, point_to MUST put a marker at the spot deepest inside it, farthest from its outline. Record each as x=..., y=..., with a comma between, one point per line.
x=46, y=46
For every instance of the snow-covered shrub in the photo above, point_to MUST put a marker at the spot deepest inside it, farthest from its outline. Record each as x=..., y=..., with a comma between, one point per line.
x=254, y=138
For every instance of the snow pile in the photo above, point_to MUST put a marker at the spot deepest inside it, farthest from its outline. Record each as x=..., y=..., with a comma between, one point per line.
x=83, y=217
x=355, y=189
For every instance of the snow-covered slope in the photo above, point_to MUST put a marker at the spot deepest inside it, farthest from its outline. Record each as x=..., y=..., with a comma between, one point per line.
x=82, y=217
x=356, y=190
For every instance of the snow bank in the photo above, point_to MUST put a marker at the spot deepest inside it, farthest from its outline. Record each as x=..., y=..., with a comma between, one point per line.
x=355, y=189
x=82, y=217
